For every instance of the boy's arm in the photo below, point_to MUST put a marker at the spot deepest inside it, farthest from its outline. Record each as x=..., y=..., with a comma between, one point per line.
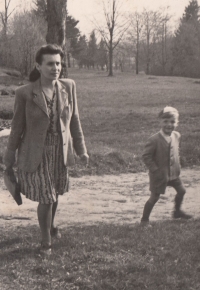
x=179, y=144
x=149, y=152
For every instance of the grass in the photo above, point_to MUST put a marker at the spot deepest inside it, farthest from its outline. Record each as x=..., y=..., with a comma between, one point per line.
x=118, y=115
x=162, y=256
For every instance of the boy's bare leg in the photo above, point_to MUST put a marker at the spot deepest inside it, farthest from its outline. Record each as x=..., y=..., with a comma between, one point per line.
x=54, y=208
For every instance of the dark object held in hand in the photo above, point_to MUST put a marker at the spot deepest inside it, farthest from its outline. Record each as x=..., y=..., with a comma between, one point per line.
x=12, y=185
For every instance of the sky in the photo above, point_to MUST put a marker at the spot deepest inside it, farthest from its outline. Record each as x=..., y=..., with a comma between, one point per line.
x=87, y=10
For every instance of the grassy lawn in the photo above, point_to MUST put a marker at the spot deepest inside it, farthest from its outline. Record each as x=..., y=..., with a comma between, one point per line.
x=118, y=115
x=162, y=256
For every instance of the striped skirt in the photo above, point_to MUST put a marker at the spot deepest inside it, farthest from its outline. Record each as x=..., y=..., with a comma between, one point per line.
x=51, y=177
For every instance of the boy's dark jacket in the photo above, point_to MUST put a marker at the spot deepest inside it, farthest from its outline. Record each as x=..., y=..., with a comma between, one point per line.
x=162, y=160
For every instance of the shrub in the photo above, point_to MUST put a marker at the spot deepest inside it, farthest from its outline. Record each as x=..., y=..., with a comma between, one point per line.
x=6, y=114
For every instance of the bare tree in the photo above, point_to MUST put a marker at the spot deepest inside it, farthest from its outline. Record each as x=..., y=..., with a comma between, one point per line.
x=135, y=33
x=160, y=43
x=164, y=32
x=150, y=20
x=5, y=15
x=28, y=34
x=114, y=29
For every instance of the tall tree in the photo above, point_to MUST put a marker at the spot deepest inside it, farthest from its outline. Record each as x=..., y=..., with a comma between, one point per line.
x=28, y=34
x=72, y=34
x=71, y=31
x=161, y=45
x=92, y=49
x=186, y=48
x=56, y=19
x=5, y=16
x=115, y=27
x=55, y=12
x=150, y=21
x=102, y=55
x=191, y=12
x=41, y=8
x=82, y=52
x=135, y=35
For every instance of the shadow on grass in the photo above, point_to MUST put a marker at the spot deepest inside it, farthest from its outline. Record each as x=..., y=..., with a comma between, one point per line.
x=18, y=243
x=9, y=242
x=106, y=256
x=18, y=254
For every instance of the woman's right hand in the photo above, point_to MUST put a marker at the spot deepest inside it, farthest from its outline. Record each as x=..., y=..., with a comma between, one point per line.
x=9, y=159
x=84, y=159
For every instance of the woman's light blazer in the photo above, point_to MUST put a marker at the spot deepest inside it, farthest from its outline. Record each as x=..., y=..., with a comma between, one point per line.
x=31, y=120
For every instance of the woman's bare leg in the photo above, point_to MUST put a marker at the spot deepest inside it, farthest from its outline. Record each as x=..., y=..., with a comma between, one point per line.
x=54, y=230
x=54, y=208
x=44, y=212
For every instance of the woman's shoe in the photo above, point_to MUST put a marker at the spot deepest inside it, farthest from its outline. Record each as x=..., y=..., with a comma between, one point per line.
x=45, y=249
x=55, y=233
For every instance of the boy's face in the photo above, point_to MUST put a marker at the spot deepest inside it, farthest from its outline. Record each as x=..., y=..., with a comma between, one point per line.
x=168, y=125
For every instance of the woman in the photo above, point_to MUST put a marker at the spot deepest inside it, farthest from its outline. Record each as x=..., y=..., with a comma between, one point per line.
x=45, y=130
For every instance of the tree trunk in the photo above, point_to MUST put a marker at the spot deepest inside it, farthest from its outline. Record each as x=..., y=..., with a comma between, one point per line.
x=68, y=59
x=56, y=19
x=137, y=50
x=110, y=74
x=148, y=55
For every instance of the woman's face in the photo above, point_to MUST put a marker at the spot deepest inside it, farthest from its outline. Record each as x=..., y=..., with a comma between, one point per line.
x=50, y=68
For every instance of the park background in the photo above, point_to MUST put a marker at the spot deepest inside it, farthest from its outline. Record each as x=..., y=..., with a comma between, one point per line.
x=155, y=62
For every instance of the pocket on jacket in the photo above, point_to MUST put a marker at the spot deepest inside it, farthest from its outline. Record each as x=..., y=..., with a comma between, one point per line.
x=158, y=174
x=158, y=177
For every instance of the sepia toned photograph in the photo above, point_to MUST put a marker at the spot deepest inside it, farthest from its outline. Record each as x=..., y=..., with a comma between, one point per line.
x=99, y=145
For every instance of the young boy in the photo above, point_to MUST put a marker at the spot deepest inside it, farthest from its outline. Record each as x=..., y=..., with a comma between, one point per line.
x=161, y=156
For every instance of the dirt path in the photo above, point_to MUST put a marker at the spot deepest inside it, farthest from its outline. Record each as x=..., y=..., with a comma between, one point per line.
x=108, y=199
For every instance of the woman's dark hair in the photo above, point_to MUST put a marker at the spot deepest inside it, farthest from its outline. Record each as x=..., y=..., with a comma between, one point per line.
x=45, y=49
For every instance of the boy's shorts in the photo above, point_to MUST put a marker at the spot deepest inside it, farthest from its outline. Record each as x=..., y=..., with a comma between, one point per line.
x=177, y=184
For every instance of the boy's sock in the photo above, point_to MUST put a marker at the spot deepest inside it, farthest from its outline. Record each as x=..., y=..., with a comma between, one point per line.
x=147, y=210
x=178, y=201
x=178, y=213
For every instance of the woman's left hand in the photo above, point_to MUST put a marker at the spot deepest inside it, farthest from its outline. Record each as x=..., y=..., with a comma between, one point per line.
x=85, y=159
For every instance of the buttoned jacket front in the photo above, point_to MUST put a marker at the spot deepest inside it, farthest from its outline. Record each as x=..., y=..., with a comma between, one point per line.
x=31, y=120
x=157, y=157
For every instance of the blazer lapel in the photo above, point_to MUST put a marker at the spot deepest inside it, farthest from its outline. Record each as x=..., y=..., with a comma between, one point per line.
x=39, y=98
x=62, y=97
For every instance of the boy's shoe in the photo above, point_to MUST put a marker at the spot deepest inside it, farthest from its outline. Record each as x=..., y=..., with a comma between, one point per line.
x=179, y=214
x=55, y=233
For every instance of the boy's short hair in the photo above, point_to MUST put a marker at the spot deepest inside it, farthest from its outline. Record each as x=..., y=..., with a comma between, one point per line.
x=169, y=112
